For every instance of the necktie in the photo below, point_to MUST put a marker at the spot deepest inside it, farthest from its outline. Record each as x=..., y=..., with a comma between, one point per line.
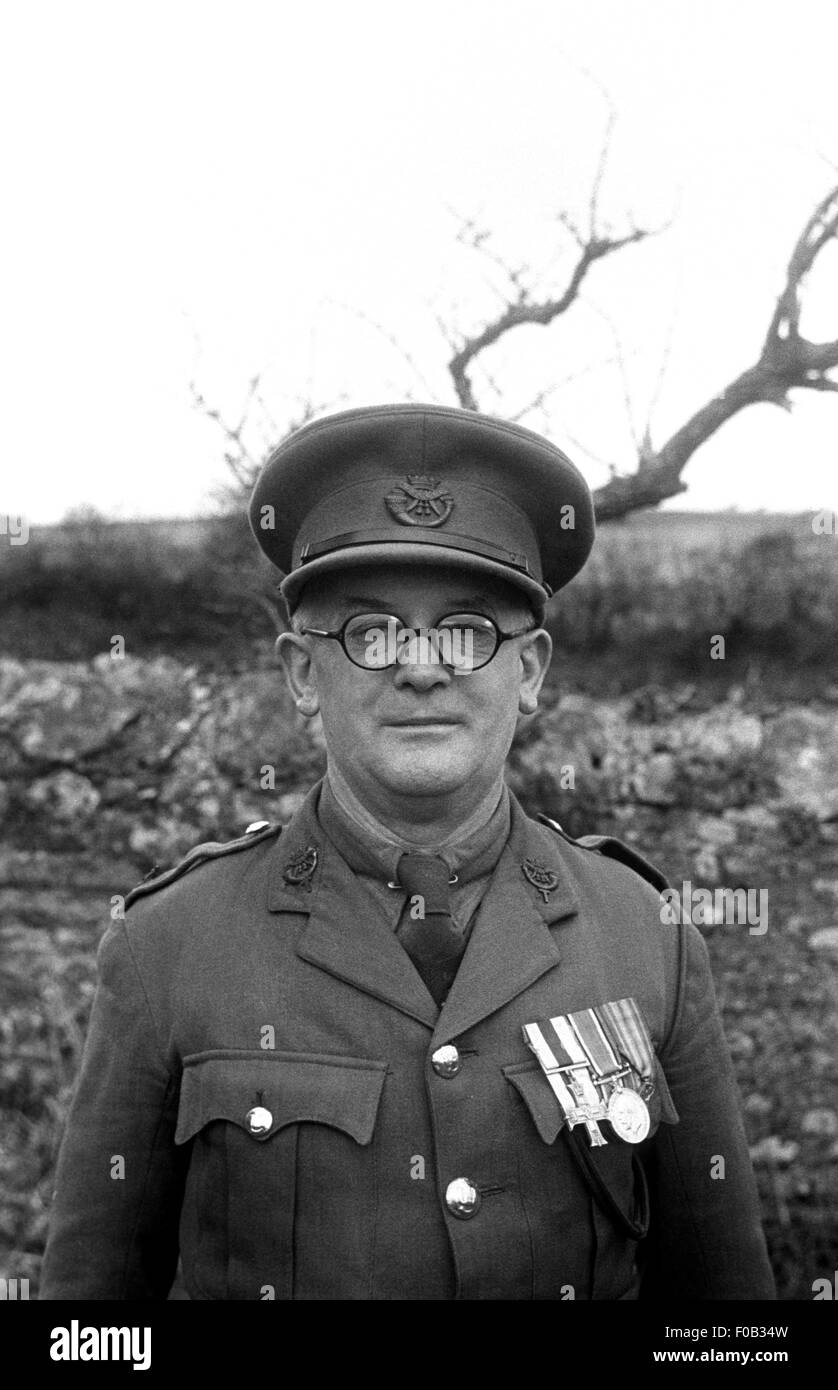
x=428, y=932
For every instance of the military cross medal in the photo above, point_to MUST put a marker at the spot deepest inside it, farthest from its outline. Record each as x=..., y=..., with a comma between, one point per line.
x=570, y=1081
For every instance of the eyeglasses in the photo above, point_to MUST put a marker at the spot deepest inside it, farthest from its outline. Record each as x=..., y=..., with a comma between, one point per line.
x=375, y=641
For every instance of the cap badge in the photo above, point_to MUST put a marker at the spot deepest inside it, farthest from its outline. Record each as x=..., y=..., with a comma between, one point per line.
x=420, y=501
x=544, y=879
x=298, y=871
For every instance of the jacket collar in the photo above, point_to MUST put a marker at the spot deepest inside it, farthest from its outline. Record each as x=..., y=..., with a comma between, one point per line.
x=344, y=934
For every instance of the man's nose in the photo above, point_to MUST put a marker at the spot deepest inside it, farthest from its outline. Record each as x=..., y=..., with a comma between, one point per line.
x=423, y=672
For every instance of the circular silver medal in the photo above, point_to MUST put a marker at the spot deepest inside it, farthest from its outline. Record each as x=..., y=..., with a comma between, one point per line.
x=628, y=1115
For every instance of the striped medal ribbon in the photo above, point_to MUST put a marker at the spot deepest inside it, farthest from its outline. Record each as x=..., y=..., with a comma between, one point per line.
x=629, y=1036
x=567, y=1069
x=626, y=1041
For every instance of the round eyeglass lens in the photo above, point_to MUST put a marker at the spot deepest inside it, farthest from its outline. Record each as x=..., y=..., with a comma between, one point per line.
x=467, y=641
x=370, y=640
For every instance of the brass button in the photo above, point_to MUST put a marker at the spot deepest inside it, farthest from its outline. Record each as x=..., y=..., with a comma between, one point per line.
x=446, y=1061
x=462, y=1198
x=258, y=1120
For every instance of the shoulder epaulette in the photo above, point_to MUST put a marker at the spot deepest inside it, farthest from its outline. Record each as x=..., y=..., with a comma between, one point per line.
x=613, y=848
x=213, y=849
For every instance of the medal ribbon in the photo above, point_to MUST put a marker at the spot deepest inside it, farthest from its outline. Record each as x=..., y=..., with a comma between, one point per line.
x=628, y=1034
x=550, y=1065
x=586, y=1026
x=570, y=1042
x=556, y=1047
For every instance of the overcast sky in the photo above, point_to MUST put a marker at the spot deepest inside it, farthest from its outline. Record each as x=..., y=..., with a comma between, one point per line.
x=204, y=191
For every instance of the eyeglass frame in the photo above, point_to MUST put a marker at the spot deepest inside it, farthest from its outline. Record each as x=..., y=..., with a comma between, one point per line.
x=339, y=635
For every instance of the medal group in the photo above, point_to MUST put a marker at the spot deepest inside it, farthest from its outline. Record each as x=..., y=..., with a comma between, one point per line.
x=599, y=1064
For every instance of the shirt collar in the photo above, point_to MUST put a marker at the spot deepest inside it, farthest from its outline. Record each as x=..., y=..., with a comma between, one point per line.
x=370, y=847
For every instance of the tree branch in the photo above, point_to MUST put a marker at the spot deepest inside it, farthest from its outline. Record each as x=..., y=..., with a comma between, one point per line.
x=787, y=362
x=239, y=458
x=819, y=229
x=524, y=310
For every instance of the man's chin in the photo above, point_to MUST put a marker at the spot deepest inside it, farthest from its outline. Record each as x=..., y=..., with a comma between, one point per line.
x=424, y=778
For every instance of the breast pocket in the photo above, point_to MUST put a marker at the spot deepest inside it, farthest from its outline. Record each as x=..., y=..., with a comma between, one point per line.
x=281, y=1196
x=598, y=1193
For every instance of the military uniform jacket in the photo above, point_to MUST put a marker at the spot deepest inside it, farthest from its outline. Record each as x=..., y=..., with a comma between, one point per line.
x=247, y=984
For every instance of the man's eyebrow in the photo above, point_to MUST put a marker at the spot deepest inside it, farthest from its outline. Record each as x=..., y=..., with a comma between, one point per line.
x=464, y=605
x=374, y=605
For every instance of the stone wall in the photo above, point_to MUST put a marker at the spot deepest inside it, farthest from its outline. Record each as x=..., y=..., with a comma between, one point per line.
x=109, y=767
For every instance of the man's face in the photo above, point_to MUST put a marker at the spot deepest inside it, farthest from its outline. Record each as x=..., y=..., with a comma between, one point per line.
x=416, y=730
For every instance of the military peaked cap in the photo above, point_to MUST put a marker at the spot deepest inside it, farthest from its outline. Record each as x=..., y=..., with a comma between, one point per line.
x=423, y=483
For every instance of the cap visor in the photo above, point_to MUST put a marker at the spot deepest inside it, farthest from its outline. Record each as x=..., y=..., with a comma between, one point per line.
x=400, y=551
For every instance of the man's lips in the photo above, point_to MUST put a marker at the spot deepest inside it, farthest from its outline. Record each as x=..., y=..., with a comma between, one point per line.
x=420, y=722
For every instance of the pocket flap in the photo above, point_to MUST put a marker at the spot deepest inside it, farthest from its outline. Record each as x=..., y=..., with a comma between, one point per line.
x=668, y=1114
x=342, y=1092
x=532, y=1086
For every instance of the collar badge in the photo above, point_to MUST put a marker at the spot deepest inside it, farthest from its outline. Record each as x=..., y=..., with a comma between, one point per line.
x=542, y=878
x=298, y=871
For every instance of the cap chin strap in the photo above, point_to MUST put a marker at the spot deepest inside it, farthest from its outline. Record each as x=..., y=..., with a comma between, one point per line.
x=312, y=550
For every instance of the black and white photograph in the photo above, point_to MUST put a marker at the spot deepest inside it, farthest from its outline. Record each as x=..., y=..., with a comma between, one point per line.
x=418, y=667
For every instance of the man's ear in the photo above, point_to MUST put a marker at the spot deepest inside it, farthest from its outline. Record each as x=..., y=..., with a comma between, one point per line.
x=535, y=653
x=295, y=657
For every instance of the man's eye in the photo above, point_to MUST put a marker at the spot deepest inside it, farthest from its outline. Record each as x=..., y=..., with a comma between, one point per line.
x=471, y=620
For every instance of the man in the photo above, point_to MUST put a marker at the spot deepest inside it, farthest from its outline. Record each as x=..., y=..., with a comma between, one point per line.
x=417, y=1045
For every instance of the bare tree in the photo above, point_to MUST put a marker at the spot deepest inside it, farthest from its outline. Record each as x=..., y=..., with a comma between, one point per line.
x=787, y=361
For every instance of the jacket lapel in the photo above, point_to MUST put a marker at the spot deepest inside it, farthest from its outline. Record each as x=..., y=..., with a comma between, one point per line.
x=511, y=945
x=343, y=934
